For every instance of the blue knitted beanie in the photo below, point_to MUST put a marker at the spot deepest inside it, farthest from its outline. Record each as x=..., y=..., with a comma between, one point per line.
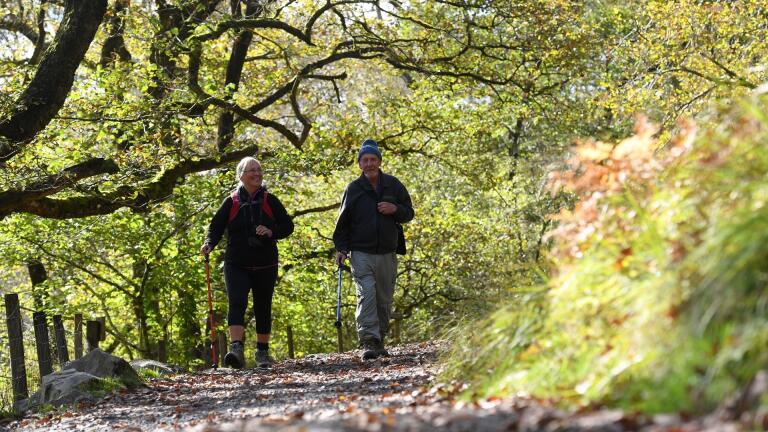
x=369, y=146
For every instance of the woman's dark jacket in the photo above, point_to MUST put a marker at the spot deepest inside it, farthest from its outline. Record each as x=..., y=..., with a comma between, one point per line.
x=241, y=251
x=360, y=226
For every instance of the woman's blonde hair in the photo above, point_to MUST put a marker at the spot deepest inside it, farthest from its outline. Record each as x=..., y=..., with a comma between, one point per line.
x=241, y=168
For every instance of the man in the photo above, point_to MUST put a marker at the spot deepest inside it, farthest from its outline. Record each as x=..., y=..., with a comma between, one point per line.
x=368, y=232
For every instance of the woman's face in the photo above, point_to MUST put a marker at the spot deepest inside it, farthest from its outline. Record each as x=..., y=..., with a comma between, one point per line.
x=252, y=175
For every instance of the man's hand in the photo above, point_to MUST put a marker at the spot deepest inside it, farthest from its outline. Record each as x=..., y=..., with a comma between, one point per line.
x=387, y=208
x=205, y=249
x=340, y=257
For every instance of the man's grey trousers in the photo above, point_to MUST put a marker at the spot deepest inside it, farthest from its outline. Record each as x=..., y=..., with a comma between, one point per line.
x=375, y=277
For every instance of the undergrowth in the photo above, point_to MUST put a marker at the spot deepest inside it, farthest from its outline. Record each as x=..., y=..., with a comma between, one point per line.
x=103, y=386
x=657, y=301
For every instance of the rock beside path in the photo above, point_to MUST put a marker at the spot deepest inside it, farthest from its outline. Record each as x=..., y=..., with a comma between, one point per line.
x=104, y=365
x=80, y=380
x=156, y=366
x=60, y=388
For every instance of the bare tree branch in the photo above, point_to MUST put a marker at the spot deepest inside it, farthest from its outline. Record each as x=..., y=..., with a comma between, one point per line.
x=13, y=23
x=253, y=24
x=54, y=183
x=40, y=45
x=136, y=197
x=206, y=99
x=315, y=210
x=114, y=46
x=232, y=80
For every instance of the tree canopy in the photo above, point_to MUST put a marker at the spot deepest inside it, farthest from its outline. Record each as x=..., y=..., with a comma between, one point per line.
x=117, y=117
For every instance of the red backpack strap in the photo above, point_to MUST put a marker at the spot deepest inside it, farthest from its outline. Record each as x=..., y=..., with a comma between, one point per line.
x=235, y=205
x=265, y=206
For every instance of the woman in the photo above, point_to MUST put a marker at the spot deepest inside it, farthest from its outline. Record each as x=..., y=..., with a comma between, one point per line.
x=254, y=219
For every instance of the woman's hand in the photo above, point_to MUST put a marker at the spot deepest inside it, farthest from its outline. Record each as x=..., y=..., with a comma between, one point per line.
x=263, y=231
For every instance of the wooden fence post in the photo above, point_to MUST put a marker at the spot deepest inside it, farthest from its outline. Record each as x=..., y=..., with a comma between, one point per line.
x=43, y=344
x=102, y=328
x=92, y=334
x=52, y=344
x=290, y=342
x=78, y=336
x=16, y=342
x=61, y=341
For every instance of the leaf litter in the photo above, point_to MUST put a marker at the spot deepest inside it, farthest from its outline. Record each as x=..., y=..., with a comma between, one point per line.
x=331, y=392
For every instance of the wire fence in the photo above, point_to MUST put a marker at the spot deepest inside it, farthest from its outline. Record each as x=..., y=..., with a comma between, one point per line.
x=20, y=346
x=30, y=349
x=34, y=327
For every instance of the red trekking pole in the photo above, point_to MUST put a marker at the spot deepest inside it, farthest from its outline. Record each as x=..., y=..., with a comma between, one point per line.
x=214, y=358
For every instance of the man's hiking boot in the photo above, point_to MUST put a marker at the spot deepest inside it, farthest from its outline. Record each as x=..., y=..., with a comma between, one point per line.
x=235, y=358
x=370, y=349
x=263, y=359
x=380, y=350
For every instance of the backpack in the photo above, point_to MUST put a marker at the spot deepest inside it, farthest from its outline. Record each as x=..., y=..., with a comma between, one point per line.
x=236, y=205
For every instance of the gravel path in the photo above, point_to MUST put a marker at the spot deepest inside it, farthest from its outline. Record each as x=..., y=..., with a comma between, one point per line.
x=332, y=392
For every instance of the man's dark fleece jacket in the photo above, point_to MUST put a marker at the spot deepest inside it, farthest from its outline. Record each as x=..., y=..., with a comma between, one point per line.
x=360, y=226
x=250, y=215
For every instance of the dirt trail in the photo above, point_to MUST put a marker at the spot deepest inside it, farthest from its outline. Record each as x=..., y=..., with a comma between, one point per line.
x=329, y=392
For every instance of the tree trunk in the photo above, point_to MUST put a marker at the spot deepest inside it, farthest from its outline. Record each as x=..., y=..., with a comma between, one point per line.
x=226, y=128
x=46, y=93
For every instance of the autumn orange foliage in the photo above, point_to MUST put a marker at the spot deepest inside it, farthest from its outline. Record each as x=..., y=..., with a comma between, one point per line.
x=598, y=170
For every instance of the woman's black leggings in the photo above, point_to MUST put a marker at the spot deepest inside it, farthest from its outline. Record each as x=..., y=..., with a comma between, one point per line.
x=240, y=281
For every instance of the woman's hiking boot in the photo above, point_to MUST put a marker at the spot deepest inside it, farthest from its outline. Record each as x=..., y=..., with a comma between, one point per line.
x=235, y=358
x=370, y=348
x=263, y=359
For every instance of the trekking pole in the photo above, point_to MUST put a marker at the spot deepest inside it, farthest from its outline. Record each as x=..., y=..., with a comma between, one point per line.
x=338, y=314
x=214, y=358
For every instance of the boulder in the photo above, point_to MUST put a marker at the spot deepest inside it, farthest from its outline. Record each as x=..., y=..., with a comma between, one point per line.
x=81, y=379
x=65, y=387
x=104, y=365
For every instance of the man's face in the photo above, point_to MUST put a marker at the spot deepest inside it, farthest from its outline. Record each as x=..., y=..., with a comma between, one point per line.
x=369, y=164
